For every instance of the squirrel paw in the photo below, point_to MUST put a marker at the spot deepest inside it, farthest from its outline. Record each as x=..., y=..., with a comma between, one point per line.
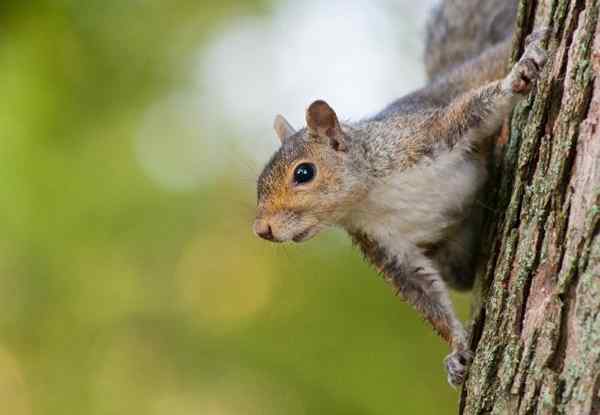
x=524, y=74
x=537, y=36
x=457, y=364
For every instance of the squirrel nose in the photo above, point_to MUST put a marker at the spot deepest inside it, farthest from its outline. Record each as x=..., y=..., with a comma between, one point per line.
x=263, y=229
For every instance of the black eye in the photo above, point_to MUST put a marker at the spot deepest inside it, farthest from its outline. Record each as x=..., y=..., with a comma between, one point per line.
x=304, y=173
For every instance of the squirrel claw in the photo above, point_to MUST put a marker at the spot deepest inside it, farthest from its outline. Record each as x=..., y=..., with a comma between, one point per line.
x=457, y=364
x=537, y=36
x=526, y=72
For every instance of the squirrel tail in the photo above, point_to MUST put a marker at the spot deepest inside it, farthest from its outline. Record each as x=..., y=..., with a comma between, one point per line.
x=459, y=30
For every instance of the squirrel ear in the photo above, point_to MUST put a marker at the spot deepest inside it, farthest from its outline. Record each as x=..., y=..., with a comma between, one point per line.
x=323, y=122
x=283, y=128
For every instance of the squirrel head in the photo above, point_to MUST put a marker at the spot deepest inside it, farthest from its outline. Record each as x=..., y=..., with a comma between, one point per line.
x=308, y=184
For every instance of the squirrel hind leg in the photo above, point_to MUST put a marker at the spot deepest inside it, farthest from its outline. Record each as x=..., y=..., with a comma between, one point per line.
x=457, y=257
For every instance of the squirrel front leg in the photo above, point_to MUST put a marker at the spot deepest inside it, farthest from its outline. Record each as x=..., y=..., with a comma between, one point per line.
x=421, y=285
x=416, y=279
x=476, y=115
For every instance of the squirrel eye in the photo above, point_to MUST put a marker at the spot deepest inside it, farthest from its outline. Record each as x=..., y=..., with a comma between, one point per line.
x=304, y=173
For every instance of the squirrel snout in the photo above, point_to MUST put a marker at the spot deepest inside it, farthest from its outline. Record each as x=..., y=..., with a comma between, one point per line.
x=263, y=230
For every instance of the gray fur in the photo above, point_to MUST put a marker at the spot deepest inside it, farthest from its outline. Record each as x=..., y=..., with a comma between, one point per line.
x=459, y=30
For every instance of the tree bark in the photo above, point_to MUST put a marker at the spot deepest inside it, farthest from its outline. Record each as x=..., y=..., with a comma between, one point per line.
x=536, y=330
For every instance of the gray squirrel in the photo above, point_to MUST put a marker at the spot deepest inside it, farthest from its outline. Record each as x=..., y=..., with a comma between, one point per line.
x=404, y=183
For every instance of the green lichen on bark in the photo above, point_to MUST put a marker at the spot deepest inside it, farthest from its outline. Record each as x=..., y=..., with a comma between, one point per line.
x=537, y=307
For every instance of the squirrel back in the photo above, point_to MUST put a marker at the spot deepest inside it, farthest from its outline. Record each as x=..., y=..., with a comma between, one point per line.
x=460, y=30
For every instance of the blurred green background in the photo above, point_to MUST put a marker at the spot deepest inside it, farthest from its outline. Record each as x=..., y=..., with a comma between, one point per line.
x=130, y=281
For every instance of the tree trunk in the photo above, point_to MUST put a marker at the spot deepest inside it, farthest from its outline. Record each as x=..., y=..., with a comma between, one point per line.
x=536, y=330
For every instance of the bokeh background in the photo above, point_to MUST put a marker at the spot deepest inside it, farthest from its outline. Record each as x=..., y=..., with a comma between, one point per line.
x=131, y=133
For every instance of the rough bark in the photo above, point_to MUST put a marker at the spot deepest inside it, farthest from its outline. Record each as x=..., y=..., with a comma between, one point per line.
x=536, y=330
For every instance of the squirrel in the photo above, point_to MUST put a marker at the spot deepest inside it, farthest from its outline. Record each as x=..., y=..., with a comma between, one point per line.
x=404, y=183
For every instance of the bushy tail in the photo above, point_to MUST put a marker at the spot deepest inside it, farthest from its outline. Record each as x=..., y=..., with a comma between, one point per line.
x=459, y=30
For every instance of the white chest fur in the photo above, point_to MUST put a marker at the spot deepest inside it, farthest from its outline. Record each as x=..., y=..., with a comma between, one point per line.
x=421, y=204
